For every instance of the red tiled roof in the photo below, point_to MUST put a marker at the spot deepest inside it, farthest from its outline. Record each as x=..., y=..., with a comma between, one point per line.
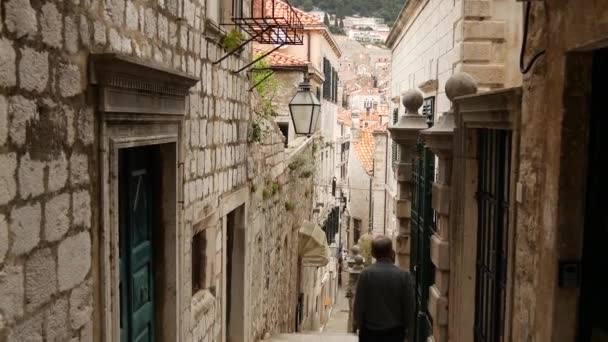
x=364, y=150
x=280, y=59
x=345, y=118
x=281, y=9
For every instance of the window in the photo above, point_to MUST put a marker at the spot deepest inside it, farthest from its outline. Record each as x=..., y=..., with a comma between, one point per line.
x=199, y=261
x=394, y=145
x=357, y=229
x=327, y=75
x=222, y=11
x=428, y=109
x=284, y=127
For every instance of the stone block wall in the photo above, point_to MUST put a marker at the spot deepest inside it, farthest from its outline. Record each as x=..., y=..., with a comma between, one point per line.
x=49, y=162
x=281, y=198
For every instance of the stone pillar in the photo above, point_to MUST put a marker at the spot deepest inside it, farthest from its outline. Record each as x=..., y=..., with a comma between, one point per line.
x=405, y=134
x=353, y=278
x=439, y=139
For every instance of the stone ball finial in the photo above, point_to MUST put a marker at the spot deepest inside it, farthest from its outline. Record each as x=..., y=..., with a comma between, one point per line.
x=355, y=250
x=460, y=84
x=412, y=101
x=358, y=260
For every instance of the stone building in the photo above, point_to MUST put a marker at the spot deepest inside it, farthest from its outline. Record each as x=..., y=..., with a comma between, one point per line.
x=316, y=61
x=133, y=202
x=432, y=40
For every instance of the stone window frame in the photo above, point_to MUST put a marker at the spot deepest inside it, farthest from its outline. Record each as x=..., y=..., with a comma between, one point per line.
x=499, y=109
x=157, y=120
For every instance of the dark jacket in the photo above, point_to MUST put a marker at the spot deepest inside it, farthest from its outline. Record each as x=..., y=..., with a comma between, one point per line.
x=384, y=298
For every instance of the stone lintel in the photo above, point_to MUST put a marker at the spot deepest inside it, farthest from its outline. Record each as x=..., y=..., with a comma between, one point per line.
x=440, y=253
x=441, y=198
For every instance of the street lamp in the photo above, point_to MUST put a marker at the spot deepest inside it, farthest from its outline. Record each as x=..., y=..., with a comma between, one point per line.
x=304, y=109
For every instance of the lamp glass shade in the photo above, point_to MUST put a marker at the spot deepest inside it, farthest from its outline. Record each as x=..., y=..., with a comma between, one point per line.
x=305, y=109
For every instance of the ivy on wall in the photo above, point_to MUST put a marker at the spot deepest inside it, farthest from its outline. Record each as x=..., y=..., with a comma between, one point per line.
x=264, y=94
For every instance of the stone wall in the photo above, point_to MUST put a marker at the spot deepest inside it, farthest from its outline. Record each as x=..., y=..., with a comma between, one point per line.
x=281, y=198
x=358, y=202
x=49, y=166
x=553, y=151
x=380, y=204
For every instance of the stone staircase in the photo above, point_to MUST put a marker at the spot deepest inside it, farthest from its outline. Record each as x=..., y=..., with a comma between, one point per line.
x=314, y=337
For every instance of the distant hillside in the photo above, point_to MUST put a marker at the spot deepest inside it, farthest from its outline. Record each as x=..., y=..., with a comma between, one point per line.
x=386, y=9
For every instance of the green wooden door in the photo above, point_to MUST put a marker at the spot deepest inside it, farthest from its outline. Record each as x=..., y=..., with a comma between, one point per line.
x=136, y=255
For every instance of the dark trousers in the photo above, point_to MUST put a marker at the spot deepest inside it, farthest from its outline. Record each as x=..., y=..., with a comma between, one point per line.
x=391, y=335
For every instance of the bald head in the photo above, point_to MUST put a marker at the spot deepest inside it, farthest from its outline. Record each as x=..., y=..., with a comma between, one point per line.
x=382, y=247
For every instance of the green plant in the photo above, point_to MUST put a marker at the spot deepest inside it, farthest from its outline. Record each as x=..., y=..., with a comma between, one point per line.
x=296, y=164
x=306, y=174
x=266, y=194
x=255, y=132
x=289, y=206
x=365, y=244
x=276, y=187
x=263, y=103
x=253, y=188
x=232, y=40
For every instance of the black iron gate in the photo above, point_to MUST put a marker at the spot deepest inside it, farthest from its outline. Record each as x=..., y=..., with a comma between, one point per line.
x=494, y=158
x=422, y=228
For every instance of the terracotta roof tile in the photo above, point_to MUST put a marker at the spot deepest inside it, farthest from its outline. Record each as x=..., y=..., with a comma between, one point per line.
x=280, y=59
x=364, y=150
x=281, y=9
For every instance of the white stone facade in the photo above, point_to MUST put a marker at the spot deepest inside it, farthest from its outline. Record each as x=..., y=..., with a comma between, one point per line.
x=56, y=249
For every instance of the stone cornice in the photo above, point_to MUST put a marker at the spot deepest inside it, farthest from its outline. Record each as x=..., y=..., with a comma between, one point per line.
x=406, y=13
x=428, y=86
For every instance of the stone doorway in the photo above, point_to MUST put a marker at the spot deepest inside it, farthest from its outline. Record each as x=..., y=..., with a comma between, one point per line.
x=235, y=275
x=593, y=322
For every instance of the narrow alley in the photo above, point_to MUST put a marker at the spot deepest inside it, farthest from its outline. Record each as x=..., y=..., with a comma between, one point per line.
x=233, y=170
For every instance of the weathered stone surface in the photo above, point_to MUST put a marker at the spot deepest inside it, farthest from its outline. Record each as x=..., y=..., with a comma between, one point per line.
x=31, y=177
x=115, y=40
x=57, y=219
x=150, y=23
x=8, y=184
x=99, y=33
x=20, y=18
x=85, y=126
x=79, y=169
x=28, y=331
x=21, y=111
x=3, y=120
x=58, y=172
x=56, y=321
x=132, y=16
x=3, y=238
x=86, y=334
x=81, y=207
x=40, y=279
x=85, y=34
x=74, y=260
x=11, y=292
x=81, y=305
x=8, y=76
x=69, y=80
x=71, y=35
x=50, y=25
x=25, y=227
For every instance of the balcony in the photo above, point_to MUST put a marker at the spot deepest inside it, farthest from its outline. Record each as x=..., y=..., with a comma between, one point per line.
x=270, y=22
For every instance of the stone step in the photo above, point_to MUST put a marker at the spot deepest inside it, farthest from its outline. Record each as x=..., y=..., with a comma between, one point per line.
x=314, y=337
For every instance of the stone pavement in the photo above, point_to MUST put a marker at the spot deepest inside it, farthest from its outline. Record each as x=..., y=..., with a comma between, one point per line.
x=334, y=330
x=339, y=315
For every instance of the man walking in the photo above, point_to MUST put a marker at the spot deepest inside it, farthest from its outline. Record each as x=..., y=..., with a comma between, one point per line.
x=384, y=299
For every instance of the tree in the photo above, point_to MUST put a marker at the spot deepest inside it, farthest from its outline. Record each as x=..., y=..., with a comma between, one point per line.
x=326, y=20
x=308, y=5
x=342, y=24
x=336, y=22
